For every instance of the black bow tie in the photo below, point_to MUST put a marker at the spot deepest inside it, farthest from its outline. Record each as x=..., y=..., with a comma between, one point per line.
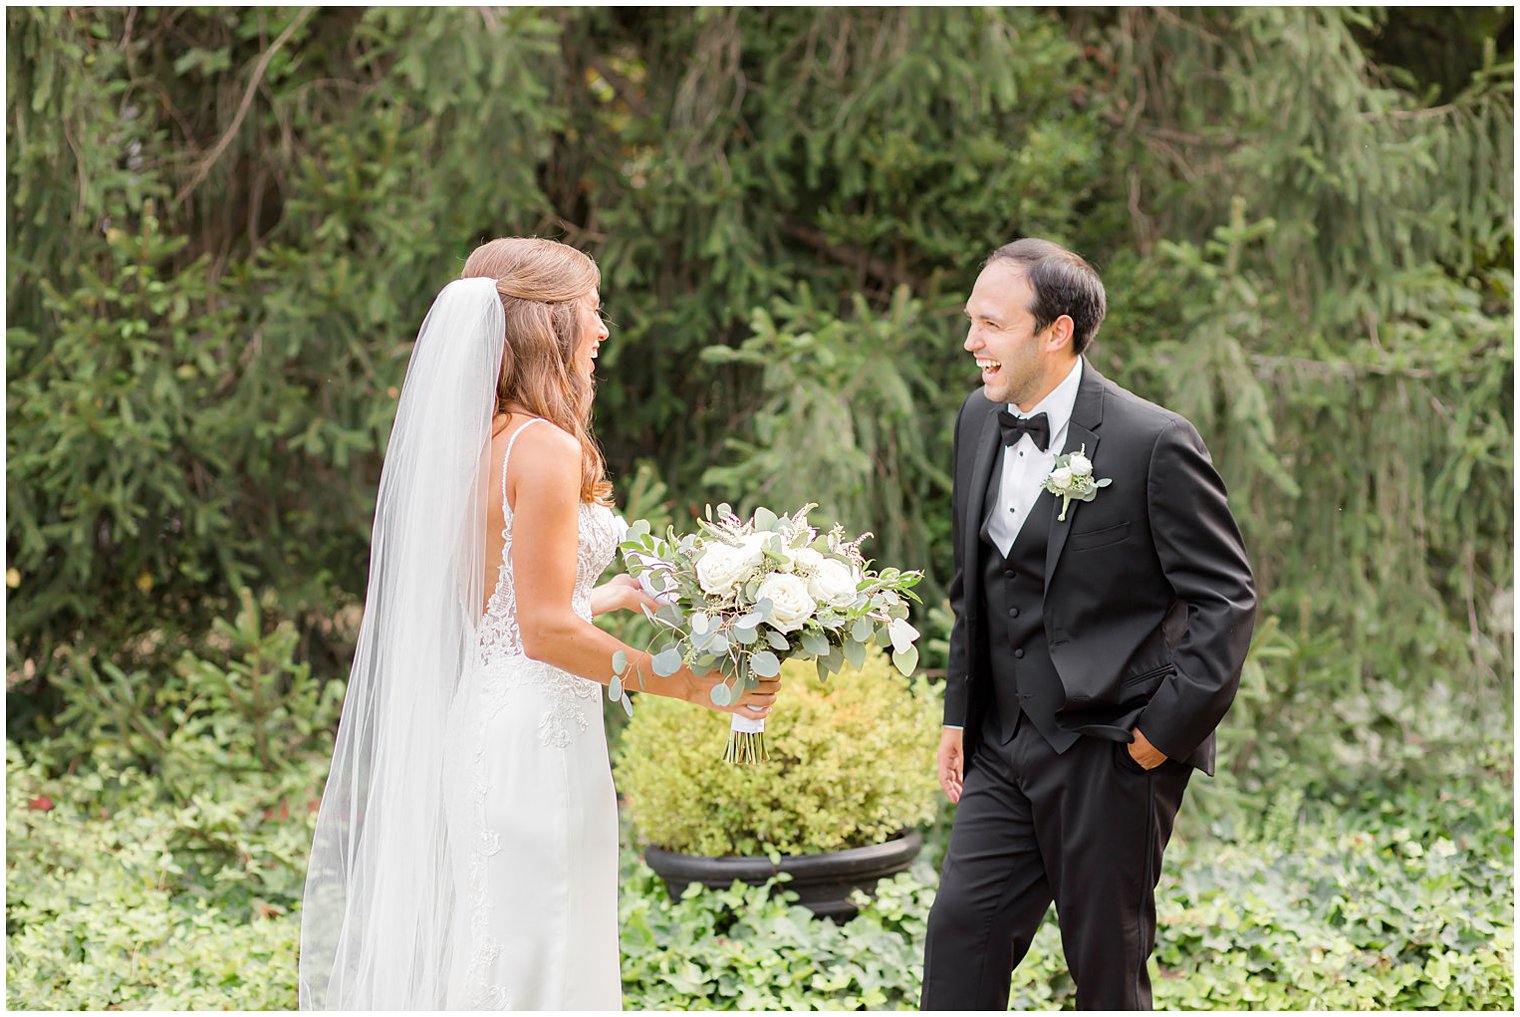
x=1037, y=427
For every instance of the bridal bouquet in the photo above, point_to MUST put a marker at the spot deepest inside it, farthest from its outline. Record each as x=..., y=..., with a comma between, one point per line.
x=742, y=596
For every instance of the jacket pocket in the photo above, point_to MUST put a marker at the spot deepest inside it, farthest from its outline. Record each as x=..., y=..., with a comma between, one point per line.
x=1091, y=540
x=1144, y=676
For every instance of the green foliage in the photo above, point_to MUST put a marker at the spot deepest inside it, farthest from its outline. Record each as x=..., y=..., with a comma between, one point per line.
x=241, y=708
x=1319, y=278
x=1397, y=900
x=745, y=949
x=224, y=226
x=1385, y=916
x=1395, y=897
x=157, y=842
x=817, y=371
x=118, y=897
x=851, y=763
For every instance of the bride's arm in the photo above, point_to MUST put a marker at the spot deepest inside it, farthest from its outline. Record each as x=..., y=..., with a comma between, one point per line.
x=545, y=530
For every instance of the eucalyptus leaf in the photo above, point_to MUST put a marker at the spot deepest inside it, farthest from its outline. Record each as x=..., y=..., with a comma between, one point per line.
x=614, y=688
x=861, y=630
x=667, y=662
x=814, y=643
x=765, y=664
x=765, y=519
x=619, y=661
x=855, y=653
x=777, y=640
x=721, y=695
x=906, y=661
x=627, y=702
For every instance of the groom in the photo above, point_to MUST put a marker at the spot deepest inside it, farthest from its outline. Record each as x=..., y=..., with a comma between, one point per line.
x=1096, y=646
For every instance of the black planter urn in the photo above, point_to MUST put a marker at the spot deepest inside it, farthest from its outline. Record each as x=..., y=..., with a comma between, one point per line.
x=822, y=881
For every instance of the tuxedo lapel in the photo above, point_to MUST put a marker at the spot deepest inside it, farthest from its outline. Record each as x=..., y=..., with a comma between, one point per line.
x=1086, y=417
x=974, y=507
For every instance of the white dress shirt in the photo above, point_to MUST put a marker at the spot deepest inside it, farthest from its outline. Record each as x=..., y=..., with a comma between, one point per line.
x=1025, y=467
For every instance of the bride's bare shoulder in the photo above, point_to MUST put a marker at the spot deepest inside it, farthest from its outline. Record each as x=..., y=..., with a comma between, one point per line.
x=543, y=450
x=540, y=438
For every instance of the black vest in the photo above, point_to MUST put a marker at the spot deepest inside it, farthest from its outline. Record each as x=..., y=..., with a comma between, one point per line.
x=1024, y=679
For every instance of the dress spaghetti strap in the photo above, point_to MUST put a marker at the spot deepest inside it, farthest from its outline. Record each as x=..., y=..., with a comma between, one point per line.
x=506, y=510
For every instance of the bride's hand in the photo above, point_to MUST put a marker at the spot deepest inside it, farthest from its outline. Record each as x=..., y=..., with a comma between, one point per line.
x=621, y=593
x=754, y=704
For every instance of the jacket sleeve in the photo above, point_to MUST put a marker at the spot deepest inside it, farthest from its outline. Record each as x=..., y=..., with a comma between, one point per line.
x=957, y=677
x=1204, y=559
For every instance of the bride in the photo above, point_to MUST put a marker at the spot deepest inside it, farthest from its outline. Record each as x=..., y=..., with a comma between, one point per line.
x=465, y=855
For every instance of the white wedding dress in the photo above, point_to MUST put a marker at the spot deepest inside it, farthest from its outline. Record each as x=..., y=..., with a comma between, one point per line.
x=531, y=811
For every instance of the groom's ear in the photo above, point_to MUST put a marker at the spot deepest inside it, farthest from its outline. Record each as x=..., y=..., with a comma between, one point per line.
x=1060, y=335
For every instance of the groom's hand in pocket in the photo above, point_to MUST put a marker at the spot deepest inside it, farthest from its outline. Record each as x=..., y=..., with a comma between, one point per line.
x=952, y=762
x=1143, y=752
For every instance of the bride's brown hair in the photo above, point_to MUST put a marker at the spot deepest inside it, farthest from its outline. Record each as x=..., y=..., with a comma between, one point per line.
x=539, y=282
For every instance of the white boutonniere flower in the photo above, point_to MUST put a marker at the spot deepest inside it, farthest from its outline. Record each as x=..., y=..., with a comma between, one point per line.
x=1072, y=479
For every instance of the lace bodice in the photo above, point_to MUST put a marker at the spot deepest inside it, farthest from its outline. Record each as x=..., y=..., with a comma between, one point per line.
x=500, y=635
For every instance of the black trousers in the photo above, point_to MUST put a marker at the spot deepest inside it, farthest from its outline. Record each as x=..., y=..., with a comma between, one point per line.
x=1084, y=829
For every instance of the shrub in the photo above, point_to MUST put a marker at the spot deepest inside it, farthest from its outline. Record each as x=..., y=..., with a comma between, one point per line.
x=118, y=898
x=852, y=763
x=244, y=704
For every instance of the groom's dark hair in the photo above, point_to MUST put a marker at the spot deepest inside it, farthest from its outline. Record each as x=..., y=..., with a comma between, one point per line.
x=1063, y=283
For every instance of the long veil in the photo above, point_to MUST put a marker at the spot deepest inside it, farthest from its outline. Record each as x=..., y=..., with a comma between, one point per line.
x=379, y=902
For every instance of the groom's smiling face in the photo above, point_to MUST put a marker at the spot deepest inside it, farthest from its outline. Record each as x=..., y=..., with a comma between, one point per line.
x=1010, y=354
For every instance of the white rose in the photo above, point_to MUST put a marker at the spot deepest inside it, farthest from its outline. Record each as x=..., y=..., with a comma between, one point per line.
x=754, y=545
x=722, y=568
x=807, y=560
x=833, y=583
x=1061, y=479
x=901, y=633
x=791, y=606
x=1080, y=465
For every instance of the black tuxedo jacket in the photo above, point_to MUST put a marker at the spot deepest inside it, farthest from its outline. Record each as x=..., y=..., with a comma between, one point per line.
x=1149, y=599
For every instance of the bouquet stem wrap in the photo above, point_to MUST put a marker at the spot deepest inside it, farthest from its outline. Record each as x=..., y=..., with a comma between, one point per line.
x=746, y=741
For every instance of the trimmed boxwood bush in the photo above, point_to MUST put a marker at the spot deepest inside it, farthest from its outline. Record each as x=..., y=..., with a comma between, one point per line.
x=851, y=764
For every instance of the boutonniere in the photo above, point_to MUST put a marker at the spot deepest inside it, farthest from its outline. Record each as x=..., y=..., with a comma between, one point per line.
x=1072, y=479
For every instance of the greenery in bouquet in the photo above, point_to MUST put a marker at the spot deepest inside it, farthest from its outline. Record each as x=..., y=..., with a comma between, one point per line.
x=743, y=596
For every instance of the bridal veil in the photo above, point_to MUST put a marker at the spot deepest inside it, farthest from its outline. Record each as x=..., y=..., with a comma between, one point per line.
x=379, y=904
